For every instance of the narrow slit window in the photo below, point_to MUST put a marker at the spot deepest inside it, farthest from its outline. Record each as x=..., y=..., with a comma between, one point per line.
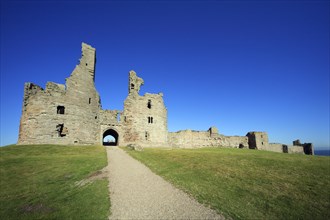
x=132, y=86
x=89, y=100
x=61, y=130
x=60, y=110
x=150, y=120
x=149, y=104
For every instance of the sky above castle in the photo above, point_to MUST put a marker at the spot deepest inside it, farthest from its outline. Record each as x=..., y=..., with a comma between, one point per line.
x=238, y=65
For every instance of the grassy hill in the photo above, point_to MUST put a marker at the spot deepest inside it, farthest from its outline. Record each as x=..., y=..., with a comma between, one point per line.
x=247, y=184
x=39, y=182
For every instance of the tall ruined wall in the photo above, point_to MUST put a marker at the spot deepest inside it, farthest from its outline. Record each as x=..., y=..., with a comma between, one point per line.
x=63, y=114
x=198, y=139
x=258, y=140
x=144, y=118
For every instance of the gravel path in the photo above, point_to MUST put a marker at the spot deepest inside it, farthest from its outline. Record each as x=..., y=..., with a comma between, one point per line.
x=137, y=193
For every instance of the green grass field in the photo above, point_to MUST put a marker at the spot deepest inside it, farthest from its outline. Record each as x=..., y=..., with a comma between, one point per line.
x=38, y=182
x=247, y=184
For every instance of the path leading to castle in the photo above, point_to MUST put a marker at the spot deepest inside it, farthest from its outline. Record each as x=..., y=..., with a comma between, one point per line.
x=138, y=193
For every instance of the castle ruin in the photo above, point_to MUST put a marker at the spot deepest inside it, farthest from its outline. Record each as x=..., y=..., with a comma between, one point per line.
x=71, y=114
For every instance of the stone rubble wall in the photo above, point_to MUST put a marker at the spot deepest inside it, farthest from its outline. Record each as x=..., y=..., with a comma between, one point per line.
x=40, y=118
x=110, y=117
x=291, y=149
x=235, y=141
x=199, y=139
x=295, y=149
x=275, y=147
x=258, y=140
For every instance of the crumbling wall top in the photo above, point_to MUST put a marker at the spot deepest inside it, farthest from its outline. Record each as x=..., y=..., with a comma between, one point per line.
x=213, y=131
x=88, y=58
x=55, y=88
x=135, y=83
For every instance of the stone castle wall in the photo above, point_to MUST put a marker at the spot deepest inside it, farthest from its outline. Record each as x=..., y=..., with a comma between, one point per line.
x=258, y=140
x=292, y=149
x=275, y=147
x=145, y=120
x=63, y=114
x=198, y=139
x=72, y=114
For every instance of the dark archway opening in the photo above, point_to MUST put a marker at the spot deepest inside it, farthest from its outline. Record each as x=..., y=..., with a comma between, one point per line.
x=110, y=138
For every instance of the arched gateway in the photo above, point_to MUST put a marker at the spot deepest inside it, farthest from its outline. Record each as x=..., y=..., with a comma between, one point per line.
x=110, y=138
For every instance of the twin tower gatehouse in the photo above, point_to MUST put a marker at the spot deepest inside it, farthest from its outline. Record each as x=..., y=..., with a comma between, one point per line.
x=71, y=114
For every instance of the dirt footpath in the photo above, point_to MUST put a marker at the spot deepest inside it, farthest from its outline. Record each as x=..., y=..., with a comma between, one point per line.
x=137, y=193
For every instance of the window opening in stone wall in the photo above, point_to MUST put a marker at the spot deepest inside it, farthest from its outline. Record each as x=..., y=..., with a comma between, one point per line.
x=285, y=148
x=262, y=143
x=89, y=100
x=86, y=64
x=132, y=86
x=60, y=110
x=118, y=117
x=150, y=120
x=61, y=130
x=149, y=104
x=147, y=135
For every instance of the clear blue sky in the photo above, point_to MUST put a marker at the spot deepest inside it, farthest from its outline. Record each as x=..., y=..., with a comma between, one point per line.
x=238, y=65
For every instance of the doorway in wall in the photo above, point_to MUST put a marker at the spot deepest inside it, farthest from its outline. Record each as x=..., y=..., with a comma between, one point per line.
x=110, y=138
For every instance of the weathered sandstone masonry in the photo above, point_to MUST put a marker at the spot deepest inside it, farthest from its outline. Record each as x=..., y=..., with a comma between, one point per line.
x=210, y=138
x=71, y=114
x=63, y=114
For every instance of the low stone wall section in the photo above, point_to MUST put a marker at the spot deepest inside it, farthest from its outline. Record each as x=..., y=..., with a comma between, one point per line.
x=275, y=147
x=199, y=139
x=295, y=149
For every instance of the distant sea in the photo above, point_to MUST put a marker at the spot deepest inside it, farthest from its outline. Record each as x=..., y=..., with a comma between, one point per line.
x=325, y=152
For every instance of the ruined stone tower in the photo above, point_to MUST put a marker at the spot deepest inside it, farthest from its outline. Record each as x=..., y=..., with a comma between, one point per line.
x=145, y=117
x=63, y=114
x=71, y=114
